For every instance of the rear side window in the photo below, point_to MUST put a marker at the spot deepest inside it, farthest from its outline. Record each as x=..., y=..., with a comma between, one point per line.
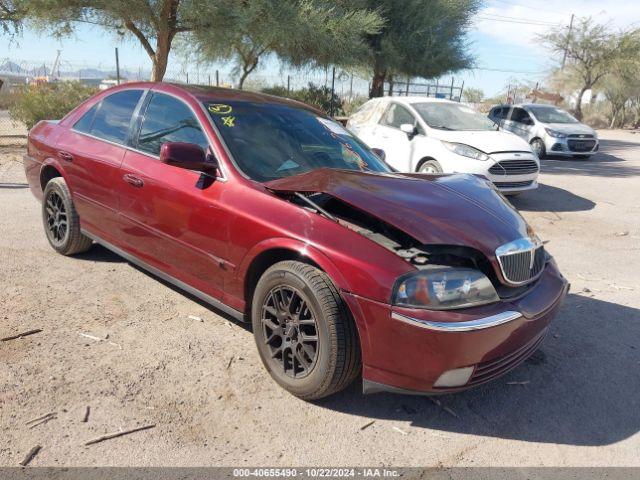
x=168, y=119
x=110, y=119
x=396, y=115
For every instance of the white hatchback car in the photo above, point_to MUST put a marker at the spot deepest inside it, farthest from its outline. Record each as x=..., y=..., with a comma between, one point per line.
x=428, y=135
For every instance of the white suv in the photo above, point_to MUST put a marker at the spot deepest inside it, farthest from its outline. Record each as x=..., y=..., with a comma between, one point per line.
x=549, y=129
x=428, y=135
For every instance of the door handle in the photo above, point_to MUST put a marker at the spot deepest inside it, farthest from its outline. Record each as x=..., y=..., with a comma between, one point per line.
x=133, y=180
x=65, y=156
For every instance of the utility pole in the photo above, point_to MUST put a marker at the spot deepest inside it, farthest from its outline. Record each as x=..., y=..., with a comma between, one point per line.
x=566, y=47
x=333, y=85
x=117, y=67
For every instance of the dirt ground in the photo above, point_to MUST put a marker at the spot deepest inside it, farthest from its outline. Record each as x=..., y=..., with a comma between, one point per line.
x=201, y=383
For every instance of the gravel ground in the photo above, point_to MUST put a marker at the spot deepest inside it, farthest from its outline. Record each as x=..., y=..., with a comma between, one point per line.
x=575, y=402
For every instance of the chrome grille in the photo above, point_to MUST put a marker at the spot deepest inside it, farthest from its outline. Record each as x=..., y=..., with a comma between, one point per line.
x=580, y=135
x=521, y=261
x=514, y=167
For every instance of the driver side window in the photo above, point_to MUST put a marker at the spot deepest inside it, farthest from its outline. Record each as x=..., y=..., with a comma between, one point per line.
x=396, y=115
x=519, y=115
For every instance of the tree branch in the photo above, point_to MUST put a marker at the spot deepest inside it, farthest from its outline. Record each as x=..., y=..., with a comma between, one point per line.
x=143, y=40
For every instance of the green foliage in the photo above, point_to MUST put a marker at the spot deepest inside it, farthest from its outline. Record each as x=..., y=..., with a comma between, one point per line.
x=299, y=32
x=314, y=95
x=473, y=95
x=49, y=101
x=420, y=38
x=592, y=51
x=11, y=15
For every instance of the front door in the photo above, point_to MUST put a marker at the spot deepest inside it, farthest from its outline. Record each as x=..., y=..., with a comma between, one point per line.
x=396, y=144
x=170, y=217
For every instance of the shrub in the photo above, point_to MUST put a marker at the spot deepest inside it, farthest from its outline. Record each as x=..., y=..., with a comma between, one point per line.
x=316, y=96
x=49, y=101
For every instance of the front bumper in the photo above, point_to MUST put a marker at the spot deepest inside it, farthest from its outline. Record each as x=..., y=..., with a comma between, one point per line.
x=507, y=180
x=568, y=147
x=407, y=350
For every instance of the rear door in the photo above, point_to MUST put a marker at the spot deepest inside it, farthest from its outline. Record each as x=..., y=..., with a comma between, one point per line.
x=92, y=153
x=397, y=145
x=170, y=216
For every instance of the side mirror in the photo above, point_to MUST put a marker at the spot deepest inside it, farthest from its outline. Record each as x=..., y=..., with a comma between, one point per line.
x=379, y=153
x=188, y=156
x=409, y=129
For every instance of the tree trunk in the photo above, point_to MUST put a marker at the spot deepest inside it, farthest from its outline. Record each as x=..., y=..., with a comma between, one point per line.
x=159, y=67
x=377, y=84
x=390, y=85
x=578, y=111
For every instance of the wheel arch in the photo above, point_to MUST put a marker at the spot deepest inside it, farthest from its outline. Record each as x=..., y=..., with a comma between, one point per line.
x=50, y=169
x=275, y=250
x=422, y=161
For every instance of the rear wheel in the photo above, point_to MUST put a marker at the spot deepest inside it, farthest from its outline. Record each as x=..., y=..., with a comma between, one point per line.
x=537, y=145
x=305, y=336
x=430, y=166
x=61, y=221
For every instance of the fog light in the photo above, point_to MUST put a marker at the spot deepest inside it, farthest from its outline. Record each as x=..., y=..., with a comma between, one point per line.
x=454, y=378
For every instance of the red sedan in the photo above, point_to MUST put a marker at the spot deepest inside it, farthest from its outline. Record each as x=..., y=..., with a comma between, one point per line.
x=275, y=214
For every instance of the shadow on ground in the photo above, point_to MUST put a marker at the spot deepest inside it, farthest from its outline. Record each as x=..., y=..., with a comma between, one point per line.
x=608, y=162
x=547, y=198
x=583, y=387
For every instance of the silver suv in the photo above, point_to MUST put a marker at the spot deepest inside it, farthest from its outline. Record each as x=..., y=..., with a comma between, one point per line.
x=549, y=129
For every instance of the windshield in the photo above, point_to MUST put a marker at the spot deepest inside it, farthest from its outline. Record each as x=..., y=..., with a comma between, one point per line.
x=546, y=114
x=452, y=116
x=271, y=141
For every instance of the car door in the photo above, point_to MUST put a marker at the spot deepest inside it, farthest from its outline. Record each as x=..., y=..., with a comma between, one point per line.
x=520, y=122
x=171, y=217
x=92, y=153
x=397, y=145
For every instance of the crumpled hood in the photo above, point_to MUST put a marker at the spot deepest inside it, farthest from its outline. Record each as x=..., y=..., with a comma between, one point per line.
x=487, y=141
x=433, y=209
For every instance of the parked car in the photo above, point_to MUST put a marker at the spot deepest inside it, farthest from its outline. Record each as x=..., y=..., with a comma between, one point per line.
x=549, y=129
x=275, y=214
x=429, y=135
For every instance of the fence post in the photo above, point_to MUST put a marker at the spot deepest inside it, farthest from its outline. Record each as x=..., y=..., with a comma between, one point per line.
x=288, y=84
x=461, y=89
x=117, y=67
x=217, y=79
x=451, y=91
x=333, y=86
x=209, y=79
x=407, y=90
x=351, y=88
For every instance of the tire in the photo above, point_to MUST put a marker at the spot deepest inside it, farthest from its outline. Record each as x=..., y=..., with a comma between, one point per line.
x=320, y=368
x=431, y=167
x=537, y=145
x=60, y=219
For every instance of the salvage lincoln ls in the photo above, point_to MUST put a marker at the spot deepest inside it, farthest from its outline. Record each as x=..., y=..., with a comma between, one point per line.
x=270, y=211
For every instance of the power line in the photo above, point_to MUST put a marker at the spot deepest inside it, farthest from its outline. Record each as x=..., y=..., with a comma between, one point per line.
x=523, y=22
x=537, y=9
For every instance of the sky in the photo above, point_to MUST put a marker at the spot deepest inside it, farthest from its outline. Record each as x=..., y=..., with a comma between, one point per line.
x=503, y=39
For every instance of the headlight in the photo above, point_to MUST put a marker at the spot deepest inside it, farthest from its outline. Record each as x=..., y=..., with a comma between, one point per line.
x=466, y=151
x=444, y=288
x=555, y=133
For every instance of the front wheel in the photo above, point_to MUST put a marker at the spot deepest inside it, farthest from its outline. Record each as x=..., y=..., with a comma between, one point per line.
x=61, y=221
x=305, y=336
x=537, y=145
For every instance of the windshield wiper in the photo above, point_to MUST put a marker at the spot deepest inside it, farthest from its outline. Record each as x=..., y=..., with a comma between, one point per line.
x=441, y=127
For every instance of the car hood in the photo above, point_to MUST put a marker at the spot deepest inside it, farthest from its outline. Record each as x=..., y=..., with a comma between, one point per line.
x=434, y=209
x=571, y=128
x=488, y=141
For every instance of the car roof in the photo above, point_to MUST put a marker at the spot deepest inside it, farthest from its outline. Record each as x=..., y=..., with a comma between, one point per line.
x=208, y=94
x=415, y=99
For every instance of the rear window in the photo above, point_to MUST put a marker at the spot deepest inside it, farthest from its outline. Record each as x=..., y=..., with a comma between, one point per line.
x=110, y=119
